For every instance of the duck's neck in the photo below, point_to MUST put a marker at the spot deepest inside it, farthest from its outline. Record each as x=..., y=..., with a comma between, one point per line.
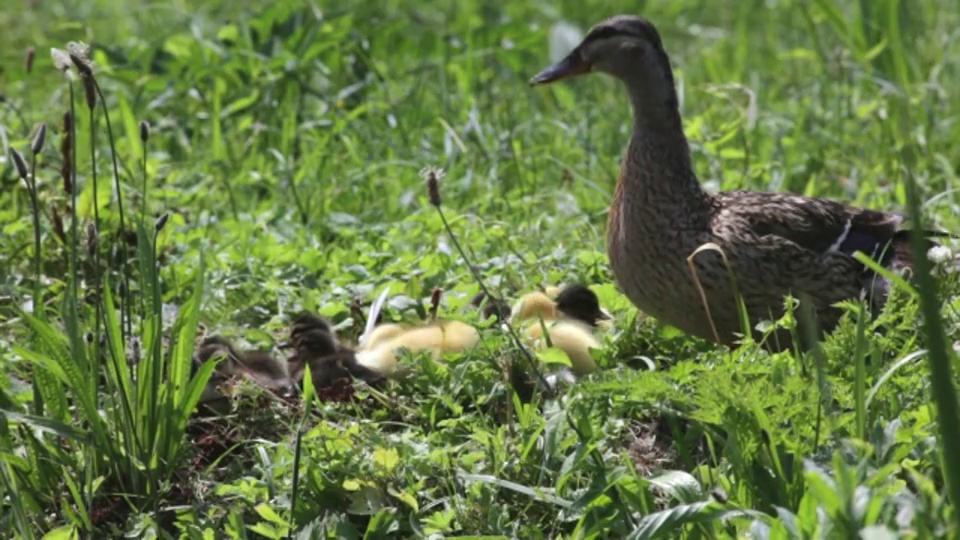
x=657, y=170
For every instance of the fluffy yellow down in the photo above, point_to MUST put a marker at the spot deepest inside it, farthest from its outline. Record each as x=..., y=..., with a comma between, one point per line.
x=535, y=305
x=380, y=351
x=571, y=337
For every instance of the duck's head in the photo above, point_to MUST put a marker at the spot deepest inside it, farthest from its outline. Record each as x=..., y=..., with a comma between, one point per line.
x=577, y=301
x=627, y=47
x=616, y=46
x=328, y=360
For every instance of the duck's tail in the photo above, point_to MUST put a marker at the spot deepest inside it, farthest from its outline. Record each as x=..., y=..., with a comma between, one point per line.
x=897, y=256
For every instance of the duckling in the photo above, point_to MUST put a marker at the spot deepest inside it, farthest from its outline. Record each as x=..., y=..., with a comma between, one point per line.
x=315, y=344
x=569, y=322
x=379, y=344
x=267, y=371
x=306, y=321
x=571, y=302
x=553, y=291
x=534, y=305
x=329, y=360
x=380, y=355
x=571, y=337
x=260, y=367
x=382, y=334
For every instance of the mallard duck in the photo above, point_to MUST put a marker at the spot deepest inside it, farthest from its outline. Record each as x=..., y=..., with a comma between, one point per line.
x=569, y=322
x=260, y=367
x=775, y=243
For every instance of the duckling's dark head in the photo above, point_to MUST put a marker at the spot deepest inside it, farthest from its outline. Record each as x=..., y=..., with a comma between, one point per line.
x=310, y=321
x=577, y=301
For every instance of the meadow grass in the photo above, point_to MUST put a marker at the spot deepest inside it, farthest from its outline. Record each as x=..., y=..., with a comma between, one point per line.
x=267, y=157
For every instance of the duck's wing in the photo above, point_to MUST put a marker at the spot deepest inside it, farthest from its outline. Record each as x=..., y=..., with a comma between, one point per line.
x=815, y=224
x=783, y=242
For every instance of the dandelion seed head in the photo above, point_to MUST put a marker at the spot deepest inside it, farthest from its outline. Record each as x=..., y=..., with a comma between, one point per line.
x=79, y=54
x=61, y=60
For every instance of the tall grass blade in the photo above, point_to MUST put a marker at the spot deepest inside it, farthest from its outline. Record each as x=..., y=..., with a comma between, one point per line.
x=940, y=356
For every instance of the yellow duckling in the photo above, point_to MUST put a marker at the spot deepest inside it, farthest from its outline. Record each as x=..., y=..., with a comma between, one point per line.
x=379, y=353
x=379, y=345
x=382, y=334
x=569, y=321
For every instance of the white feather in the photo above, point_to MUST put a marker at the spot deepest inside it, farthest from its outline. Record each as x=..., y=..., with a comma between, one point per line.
x=372, y=316
x=843, y=236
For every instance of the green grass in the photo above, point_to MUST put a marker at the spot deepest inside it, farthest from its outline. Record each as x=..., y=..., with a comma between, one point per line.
x=284, y=150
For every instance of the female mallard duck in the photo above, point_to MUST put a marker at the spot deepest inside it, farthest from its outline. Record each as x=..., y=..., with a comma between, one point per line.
x=775, y=243
x=569, y=321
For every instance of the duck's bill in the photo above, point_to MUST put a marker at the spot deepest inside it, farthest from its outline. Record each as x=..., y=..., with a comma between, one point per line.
x=570, y=66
